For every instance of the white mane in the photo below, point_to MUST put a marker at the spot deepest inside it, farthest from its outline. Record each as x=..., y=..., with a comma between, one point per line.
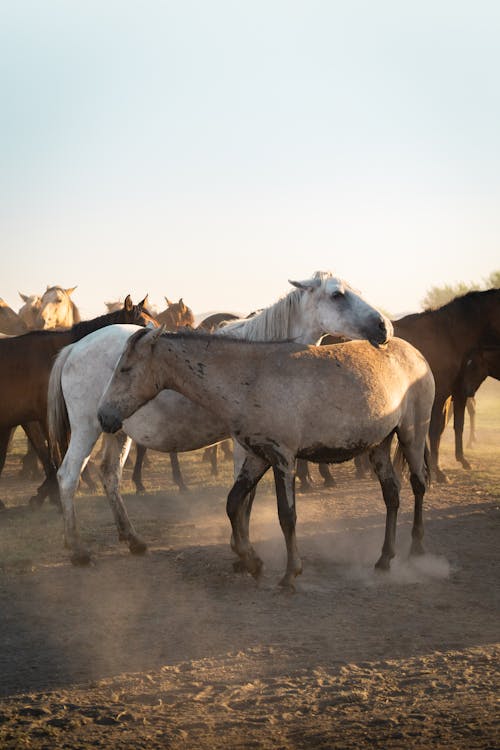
x=274, y=323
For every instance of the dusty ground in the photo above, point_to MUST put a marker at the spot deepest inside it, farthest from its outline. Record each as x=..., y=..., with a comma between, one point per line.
x=175, y=650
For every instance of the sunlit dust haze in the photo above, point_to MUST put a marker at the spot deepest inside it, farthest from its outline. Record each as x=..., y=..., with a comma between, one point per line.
x=214, y=150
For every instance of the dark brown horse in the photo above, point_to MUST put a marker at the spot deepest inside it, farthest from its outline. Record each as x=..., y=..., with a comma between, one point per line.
x=477, y=366
x=25, y=365
x=445, y=337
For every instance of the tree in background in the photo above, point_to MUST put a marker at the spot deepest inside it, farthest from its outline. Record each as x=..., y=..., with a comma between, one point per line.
x=437, y=296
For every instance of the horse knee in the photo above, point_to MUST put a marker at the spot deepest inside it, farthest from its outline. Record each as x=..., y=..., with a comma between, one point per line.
x=390, y=492
x=417, y=485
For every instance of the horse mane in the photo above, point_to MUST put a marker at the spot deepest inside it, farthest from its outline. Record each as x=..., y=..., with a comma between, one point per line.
x=84, y=327
x=273, y=322
x=466, y=304
x=468, y=299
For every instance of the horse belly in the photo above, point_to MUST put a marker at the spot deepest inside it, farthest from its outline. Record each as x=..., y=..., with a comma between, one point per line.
x=320, y=454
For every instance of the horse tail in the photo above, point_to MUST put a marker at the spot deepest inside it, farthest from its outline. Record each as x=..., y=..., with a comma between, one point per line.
x=400, y=463
x=57, y=413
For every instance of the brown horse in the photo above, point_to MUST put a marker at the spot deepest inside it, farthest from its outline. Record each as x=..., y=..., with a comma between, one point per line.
x=25, y=365
x=478, y=365
x=214, y=321
x=10, y=322
x=57, y=309
x=176, y=315
x=445, y=336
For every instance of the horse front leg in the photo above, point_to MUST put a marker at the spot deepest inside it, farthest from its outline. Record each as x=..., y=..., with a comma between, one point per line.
x=5, y=435
x=437, y=425
x=380, y=458
x=471, y=411
x=284, y=479
x=252, y=470
x=137, y=473
x=459, y=401
x=37, y=436
x=116, y=448
x=176, y=472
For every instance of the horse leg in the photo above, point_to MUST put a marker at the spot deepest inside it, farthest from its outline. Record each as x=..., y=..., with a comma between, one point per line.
x=176, y=472
x=29, y=464
x=68, y=475
x=210, y=455
x=5, y=435
x=137, y=473
x=252, y=470
x=303, y=475
x=414, y=446
x=284, y=479
x=325, y=472
x=380, y=458
x=116, y=448
x=458, y=427
x=471, y=410
x=438, y=418
x=226, y=449
x=37, y=436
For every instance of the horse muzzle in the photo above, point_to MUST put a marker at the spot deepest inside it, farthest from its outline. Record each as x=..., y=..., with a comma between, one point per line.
x=383, y=332
x=109, y=421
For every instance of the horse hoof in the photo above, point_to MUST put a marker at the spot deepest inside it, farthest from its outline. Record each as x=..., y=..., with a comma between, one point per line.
x=80, y=558
x=35, y=502
x=287, y=585
x=2, y=505
x=137, y=547
x=239, y=566
x=417, y=549
x=441, y=477
x=383, y=565
x=184, y=489
x=466, y=465
x=305, y=488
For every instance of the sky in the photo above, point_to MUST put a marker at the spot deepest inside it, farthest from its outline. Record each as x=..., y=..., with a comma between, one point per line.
x=214, y=150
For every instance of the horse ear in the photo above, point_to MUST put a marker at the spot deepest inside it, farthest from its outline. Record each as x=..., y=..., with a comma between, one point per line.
x=128, y=304
x=70, y=290
x=181, y=303
x=307, y=285
x=144, y=302
x=169, y=304
x=24, y=297
x=156, y=333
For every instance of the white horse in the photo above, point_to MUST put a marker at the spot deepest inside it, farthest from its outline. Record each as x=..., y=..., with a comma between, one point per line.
x=284, y=401
x=57, y=309
x=171, y=422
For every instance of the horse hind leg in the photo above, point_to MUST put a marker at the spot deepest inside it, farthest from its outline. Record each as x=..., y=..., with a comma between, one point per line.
x=284, y=478
x=380, y=458
x=417, y=456
x=116, y=448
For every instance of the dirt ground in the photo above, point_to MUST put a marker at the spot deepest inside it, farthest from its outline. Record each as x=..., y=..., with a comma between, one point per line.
x=176, y=650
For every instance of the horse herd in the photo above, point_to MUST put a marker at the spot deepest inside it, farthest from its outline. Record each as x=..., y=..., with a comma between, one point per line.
x=262, y=380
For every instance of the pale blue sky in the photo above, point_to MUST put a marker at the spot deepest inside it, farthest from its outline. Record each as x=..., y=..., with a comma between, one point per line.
x=212, y=150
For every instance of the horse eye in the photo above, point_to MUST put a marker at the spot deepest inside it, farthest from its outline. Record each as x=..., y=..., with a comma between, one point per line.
x=125, y=369
x=337, y=294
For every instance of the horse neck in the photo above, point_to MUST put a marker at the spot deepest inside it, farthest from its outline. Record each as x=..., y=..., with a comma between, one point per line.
x=285, y=320
x=198, y=368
